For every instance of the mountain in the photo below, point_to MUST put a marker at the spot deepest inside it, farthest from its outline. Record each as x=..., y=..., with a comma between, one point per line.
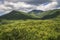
x=36, y=11
x=52, y=14
x=15, y=15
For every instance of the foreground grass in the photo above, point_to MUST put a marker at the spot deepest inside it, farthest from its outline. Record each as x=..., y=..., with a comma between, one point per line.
x=29, y=30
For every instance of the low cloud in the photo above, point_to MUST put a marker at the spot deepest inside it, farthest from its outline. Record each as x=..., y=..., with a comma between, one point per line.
x=49, y=6
x=19, y=6
x=28, y=5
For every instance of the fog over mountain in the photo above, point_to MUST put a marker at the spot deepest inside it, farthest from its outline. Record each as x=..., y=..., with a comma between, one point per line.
x=28, y=5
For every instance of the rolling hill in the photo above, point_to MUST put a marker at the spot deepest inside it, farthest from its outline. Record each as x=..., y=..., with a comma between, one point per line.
x=51, y=14
x=36, y=11
x=15, y=15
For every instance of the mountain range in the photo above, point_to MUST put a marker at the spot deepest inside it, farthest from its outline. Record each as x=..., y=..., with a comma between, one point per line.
x=36, y=11
x=34, y=14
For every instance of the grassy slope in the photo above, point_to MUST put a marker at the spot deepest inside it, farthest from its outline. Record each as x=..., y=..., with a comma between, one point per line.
x=30, y=29
x=53, y=14
x=16, y=15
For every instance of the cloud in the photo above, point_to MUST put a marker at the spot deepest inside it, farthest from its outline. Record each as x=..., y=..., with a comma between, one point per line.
x=27, y=5
x=8, y=6
x=34, y=2
x=49, y=6
x=19, y=6
x=4, y=9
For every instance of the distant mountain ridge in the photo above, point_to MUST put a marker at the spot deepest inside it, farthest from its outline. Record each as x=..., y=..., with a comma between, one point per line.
x=36, y=11
x=15, y=15
x=51, y=14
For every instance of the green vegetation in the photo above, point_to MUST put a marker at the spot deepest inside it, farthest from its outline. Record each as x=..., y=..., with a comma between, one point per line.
x=15, y=15
x=35, y=13
x=50, y=14
x=26, y=27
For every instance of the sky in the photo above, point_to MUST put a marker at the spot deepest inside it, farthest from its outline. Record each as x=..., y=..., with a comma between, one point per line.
x=28, y=5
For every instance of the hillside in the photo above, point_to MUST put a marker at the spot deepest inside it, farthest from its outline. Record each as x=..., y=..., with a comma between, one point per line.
x=35, y=13
x=52, y=14
x=15, y=15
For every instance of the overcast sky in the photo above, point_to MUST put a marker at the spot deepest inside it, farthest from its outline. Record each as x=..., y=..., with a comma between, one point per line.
x=27, y=5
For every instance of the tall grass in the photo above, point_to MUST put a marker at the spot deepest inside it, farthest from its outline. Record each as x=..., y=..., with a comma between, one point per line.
x=29, y=30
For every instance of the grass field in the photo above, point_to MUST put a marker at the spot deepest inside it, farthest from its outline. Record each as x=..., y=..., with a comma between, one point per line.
x=29, y=30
